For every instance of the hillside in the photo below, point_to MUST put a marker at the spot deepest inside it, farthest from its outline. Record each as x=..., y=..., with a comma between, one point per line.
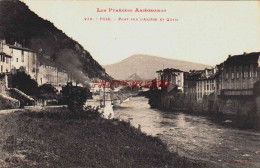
x=134, y=77
x=145, y=66
x=19, y=23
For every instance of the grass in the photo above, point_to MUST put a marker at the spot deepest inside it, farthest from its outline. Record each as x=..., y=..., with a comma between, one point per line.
x=57, y=138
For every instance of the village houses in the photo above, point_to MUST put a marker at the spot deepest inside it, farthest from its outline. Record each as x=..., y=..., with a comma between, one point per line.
x=16, y=57
x=236, y=76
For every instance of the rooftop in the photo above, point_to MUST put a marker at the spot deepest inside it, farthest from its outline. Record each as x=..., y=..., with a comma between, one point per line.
x=169, y=70
x=243, y=59
x=20, y=48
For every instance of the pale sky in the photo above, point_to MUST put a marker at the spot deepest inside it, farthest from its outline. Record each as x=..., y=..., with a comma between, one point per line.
x=207, y=32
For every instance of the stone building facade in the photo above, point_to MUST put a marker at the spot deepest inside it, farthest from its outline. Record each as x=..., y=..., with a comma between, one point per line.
x=239, y=73
x=190, y=84
x=206, y=83
x=174, y=76
x=200, y=83
x=24, y=58
x=52, y=75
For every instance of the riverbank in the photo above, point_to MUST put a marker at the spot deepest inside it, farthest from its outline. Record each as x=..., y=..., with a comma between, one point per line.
x=242, y=111
x=195, y=136
x=55, y=138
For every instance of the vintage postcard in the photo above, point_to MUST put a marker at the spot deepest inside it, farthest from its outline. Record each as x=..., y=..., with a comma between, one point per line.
x=138, y=84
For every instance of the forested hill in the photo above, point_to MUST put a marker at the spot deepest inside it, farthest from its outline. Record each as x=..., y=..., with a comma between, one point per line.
x=19, y=23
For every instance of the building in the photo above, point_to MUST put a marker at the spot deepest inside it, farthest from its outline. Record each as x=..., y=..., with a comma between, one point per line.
x=5, y=57
x=206, y=83
x=200, y=83
x=24, y=58
x=174, y=76
x=15, y=57
x=190, y=84
x=239, y=73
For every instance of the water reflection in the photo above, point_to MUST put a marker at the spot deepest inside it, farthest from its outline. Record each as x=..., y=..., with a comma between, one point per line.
x=196, y=137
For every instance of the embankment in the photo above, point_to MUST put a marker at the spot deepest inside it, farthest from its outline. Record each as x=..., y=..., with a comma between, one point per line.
x=57, y=138
x=244, y=108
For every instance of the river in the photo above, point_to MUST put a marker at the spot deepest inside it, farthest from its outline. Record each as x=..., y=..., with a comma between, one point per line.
x=193, y=136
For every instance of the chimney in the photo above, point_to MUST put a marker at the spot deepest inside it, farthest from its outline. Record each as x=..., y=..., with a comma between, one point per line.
x=244, y=53
x=206, y=72
x=229, y=56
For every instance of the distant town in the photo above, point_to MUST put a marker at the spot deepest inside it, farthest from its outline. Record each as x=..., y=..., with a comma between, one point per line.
x=226, y=88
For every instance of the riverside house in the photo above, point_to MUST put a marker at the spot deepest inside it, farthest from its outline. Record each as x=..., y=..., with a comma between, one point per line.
x=239, y=73
x=174, y=76
x=190, y=84
x=200, y=84
x=206, y=83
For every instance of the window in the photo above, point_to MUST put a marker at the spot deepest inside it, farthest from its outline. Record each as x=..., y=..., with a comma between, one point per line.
x=237, y=75
x=245, y=74
x=1, y=68
x=7, y=60
x=16, y=59
x=3, y=58
x=33, y=70
x=22, y=58
x=232, y=75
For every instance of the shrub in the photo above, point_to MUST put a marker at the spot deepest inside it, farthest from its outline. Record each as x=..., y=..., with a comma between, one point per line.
x=75, y=97
x=47, y=91
x=25, y=83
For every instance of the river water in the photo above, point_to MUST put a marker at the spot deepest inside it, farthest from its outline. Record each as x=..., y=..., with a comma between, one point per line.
x=196, y=137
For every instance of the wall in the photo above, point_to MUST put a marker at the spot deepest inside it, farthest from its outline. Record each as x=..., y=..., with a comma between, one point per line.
x=2, y=83
x=235, y=105
x=7, y=102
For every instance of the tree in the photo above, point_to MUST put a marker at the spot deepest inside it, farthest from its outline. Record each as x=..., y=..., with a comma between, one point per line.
x=25, y=83
x=75, y=97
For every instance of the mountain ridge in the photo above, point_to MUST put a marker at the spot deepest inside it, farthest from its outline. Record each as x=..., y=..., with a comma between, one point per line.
x=140, y=55
x=146, y=66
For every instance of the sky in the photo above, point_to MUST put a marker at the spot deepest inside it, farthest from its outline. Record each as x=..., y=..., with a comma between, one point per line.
x=206, y=32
